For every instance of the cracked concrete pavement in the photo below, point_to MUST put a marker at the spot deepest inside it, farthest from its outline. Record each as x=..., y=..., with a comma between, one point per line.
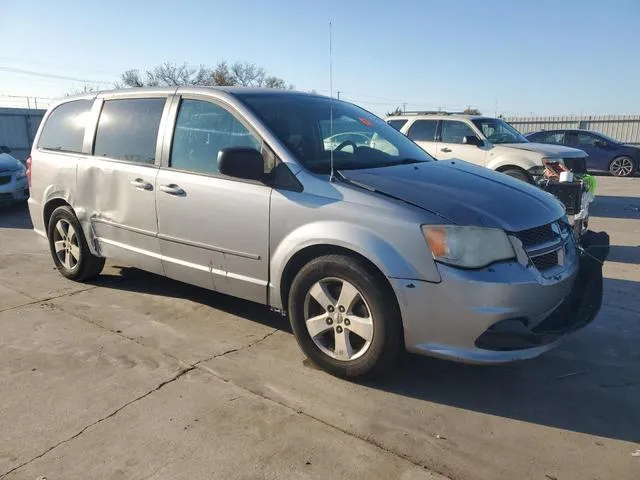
x=137, y=376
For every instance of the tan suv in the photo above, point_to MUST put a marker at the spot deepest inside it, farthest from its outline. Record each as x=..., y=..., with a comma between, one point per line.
x=486, y=141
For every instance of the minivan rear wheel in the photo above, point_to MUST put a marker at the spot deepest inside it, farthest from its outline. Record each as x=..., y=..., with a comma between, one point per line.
x=345, y=318
x=69, y=249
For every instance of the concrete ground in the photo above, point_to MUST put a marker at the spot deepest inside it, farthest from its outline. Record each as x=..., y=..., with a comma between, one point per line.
x=137, y=376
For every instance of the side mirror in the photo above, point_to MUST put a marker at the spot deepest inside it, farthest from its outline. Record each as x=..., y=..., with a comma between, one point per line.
x=472, y=140
x=4, y=149
x=241, y=162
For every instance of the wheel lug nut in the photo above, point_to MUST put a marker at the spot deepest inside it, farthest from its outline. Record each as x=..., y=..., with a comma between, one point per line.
x=347, y=322
x=329, y=321
x=330, y=308
x=339, y=329
x=341, y=309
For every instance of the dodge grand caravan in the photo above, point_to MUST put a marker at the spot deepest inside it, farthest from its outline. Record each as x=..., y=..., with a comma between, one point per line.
x=369, y=248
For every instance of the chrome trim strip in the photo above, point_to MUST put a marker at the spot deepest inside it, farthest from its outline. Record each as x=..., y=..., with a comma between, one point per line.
x=141, y=231
x=546, y=247
x=169, y=238
x=205, y=246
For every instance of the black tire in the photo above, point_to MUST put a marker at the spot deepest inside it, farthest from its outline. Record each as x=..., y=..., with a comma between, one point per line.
x=87, y=266
x=519, y=174
x=386, y=343
x=622, y=166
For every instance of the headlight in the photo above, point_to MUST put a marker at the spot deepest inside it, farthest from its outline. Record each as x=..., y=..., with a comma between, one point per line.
x=21, y=174
x=467, y=247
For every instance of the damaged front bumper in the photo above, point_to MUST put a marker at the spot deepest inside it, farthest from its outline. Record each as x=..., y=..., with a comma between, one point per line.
x=500, y=314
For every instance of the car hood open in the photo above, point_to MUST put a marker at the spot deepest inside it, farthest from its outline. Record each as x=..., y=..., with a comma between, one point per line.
x=463, y=193
x=547, y=149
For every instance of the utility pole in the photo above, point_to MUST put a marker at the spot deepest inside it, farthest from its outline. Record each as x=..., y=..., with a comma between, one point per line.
x=404, y=107
x=338, y=92
x=496, y=109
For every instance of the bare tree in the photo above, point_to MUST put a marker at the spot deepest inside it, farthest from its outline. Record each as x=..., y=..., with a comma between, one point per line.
x=222, y=76
x=396, y=111
x=471, y=111
x=170, y=74
x=248, y=74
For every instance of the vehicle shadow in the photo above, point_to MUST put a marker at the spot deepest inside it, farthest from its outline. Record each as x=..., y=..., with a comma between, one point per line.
x=575, y=387
x=134, y=280
x=615, y=207
x=15, y=216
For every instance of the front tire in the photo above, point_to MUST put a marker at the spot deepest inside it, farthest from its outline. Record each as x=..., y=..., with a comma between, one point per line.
x=622, y=166
x=519, y=174
x=69, y=249
x=345, y=317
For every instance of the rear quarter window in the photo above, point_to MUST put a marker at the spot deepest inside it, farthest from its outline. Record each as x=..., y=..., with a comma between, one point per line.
x=397, y=124
x=64, y=127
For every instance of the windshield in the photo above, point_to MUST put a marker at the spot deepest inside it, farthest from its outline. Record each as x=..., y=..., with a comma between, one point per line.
x=499, y=131
x=357, y=138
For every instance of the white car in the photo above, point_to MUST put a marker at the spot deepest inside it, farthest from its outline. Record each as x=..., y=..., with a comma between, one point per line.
x=486, y=141
x=13, y=179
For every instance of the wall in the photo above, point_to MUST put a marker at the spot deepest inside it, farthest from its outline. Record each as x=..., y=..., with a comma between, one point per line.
x=625, y=128
x=18, y=127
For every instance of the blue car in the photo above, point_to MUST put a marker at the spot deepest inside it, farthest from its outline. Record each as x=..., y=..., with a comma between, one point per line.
x=605, y=153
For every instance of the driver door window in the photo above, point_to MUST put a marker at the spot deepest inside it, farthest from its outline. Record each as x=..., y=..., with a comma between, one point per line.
x=454, y=132
x=452, y=146
x=202, y=130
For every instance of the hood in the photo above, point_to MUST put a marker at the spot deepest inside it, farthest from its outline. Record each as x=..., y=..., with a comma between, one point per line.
x=7, y=162
x=463, y=193
x=547, y=149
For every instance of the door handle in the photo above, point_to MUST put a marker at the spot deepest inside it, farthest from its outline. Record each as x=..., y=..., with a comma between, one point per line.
x=445, y=150
x=140, y=184
x=172, y=189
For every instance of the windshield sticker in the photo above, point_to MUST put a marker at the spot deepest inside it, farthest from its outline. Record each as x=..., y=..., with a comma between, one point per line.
x=365, y=121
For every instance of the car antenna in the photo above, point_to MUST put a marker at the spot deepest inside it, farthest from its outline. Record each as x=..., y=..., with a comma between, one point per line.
x=332, y=177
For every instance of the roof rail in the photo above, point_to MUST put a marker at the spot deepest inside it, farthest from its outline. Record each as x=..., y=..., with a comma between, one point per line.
x=426, y=112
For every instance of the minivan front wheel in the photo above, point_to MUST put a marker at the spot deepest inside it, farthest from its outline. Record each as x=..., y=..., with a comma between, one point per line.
x=69, y=249
x=344, y=317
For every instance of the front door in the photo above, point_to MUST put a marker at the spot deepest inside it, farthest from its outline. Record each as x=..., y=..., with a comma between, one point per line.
x=116, y=185
x=452, y=146
x=213, y=230
x=593, y=146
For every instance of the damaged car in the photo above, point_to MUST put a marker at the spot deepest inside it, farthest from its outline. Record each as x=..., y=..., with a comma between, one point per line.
x=369, y=250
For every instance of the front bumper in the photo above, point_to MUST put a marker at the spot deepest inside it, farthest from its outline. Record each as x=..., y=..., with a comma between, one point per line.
x=501, y=313
x=14, y=190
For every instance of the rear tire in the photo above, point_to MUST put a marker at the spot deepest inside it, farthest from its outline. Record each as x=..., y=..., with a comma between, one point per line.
x=519, y=174
x=345, y=317
x=69, y=249
x=622, y=167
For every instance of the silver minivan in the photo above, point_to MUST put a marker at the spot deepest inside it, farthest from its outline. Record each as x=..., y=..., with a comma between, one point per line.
x=314, y=207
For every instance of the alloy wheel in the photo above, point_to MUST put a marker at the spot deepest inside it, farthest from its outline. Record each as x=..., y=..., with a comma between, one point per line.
x=338, y=319
x=65, y=241
x=621, y=167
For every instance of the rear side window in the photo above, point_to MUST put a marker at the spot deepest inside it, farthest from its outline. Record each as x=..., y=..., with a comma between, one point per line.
x=64, y=128
x=128, y=129
x=397, y=124
x=423, y=130
x=547, y=137
x=202, y=130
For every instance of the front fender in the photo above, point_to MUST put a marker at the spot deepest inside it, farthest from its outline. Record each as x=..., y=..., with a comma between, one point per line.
x=388, y=259
x=522, y=161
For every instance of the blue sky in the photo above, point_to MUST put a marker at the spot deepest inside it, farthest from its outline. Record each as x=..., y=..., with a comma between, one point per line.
x=545, y=57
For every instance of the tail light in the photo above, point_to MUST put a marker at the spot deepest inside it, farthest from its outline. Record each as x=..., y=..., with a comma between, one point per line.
x=29, y=170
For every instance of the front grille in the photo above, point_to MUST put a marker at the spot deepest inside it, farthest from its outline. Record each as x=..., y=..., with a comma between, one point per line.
x=546, y=261
x=536, y=236
x=4, y=179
